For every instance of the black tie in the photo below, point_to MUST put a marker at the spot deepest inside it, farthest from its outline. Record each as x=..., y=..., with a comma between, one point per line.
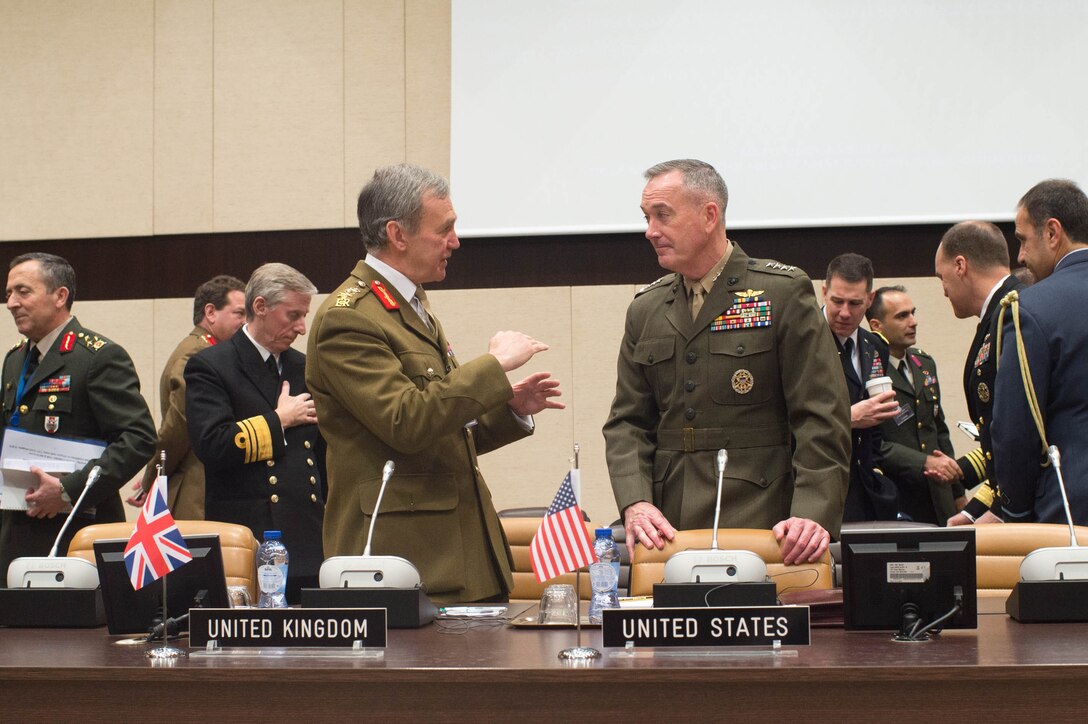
x=903, y=370
x=273, y=367
x=32, y=359
x=848, y=357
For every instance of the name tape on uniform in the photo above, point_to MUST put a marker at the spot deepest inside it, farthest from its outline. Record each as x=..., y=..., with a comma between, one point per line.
x=733, y=626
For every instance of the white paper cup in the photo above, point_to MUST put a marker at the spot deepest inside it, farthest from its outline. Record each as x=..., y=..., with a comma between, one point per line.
x=876, y=385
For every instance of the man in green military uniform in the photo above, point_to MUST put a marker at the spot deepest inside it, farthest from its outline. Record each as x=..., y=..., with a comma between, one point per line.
x=388, y=387
x=219, y=310
x=917, y=451
x=726, y=352
x=66, y=380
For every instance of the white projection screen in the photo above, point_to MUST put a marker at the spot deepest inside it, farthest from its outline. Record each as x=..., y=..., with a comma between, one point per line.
x=817, y=113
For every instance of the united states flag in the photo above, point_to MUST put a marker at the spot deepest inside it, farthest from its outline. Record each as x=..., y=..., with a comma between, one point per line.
x=156, y=546
x=562, y=543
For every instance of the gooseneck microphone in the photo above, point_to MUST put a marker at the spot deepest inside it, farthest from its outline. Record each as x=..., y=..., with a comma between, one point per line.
x=387, y=472
x=92, y=478
x=722, y=458
x=1056, y=459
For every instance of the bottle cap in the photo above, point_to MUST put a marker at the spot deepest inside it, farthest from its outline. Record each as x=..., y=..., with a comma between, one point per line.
x=602, y=532
x=272, y=535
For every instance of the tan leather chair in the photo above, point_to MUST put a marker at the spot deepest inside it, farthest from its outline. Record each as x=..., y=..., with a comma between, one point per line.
x=237, y=541
x=519, y=533
x=648, y=566
x=1000, y=547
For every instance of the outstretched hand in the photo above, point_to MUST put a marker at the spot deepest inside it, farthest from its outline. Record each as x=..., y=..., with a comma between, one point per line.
x=534, y=394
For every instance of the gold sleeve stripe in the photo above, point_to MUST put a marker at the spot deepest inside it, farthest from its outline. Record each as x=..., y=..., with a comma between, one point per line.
x=254, y=439
x=978, y=462
x=985, y=495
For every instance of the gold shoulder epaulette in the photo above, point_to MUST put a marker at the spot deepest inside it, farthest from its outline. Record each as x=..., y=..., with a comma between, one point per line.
x=92, y=341
x=350, y=293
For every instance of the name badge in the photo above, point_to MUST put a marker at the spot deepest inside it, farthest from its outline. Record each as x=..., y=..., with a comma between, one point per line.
x=905, y=413
x=733, y=626
x=287, y=627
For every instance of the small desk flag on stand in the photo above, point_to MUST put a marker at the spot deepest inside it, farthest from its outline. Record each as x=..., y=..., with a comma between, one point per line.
x=561, y=544
x=156, y=546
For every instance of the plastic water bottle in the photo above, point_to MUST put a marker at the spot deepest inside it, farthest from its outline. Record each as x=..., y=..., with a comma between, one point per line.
x=604, y=575
x=272, y=571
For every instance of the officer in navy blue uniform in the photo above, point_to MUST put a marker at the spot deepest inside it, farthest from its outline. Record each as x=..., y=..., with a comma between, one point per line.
x=1045, y=327
x=253, y=425
x=972, y=263
x=848, y=292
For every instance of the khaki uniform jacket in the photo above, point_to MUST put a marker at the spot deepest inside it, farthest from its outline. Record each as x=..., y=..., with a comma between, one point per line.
x=386, y=388
x=85, y=387
x=184, y=471
x=912, y=436
x=757, y=374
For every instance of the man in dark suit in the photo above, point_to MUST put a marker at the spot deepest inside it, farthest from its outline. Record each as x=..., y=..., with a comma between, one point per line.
x=972, y=263
x=1048, y=330
x=253, y=425
x=66, y=380
x=917, y=450
x=848, y=292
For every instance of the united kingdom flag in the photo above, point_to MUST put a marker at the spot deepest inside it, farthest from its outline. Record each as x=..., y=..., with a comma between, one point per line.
x=156, y=546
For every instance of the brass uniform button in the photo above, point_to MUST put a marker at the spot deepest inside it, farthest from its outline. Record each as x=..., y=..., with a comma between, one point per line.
x=310, y=462
x=313, y=480
x=313, y=497
x=52, y=398
x=23, y=409
x=271, y=463
x=275, y=498
x=273, y=479
x=919, y=426
x=923, y=447
x=51, y=407
x=306, y=444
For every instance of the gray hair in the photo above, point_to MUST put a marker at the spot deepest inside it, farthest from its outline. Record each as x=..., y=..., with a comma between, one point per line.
x=273, y=281
x=56, y=272
x=699, y=177
x=395, y=193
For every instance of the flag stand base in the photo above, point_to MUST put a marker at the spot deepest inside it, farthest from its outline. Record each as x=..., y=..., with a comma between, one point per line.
x=165, y=652
x=579, y=653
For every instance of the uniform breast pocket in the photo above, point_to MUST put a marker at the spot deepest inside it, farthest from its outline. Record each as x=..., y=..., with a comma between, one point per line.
x=421, y=367
x=53, y=403
x=743, y=367
x=655, y=357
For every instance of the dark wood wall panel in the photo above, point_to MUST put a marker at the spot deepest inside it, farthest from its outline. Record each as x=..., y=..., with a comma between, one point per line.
x=173, y=266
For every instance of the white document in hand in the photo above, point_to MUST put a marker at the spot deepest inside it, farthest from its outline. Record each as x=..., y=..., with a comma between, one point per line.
x=55, y=455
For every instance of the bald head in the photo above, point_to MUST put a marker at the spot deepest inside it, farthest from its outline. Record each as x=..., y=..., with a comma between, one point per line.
x=979, y=242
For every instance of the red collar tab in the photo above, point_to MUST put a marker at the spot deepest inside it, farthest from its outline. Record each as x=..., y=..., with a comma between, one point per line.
x=384, y=296
x=68, y=342
x=209, y=339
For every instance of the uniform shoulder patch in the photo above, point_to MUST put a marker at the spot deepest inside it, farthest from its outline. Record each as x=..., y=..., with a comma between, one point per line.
x=770, y=266
x=92, y=341
x=17, y=345
x=655, y=284
x=349, y=294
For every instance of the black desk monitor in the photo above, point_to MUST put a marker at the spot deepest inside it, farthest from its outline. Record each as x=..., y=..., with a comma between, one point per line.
x=200, y=583
x=911, y=580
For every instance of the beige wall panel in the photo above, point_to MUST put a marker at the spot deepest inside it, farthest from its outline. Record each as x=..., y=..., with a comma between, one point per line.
x=599, y=313
x=183, y=116
x=529, y=471
x=427, y=65
x=76, y=118
x=374, y=128
x=279, y=114
x=173, y=320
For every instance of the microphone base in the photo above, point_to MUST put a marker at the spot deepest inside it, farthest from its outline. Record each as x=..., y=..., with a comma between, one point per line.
x=51, y=608
x=699, y=595
x=1049, y=602
x=405, y=607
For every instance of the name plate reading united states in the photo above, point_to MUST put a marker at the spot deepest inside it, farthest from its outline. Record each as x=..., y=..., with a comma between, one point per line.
x=287, y=627
x=734, y=626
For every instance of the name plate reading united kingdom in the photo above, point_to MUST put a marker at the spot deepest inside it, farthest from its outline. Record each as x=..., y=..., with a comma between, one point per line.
x=734, y=626
x=287, y=627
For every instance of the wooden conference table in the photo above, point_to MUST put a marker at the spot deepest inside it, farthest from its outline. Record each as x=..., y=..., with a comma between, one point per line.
x=1004, y=671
